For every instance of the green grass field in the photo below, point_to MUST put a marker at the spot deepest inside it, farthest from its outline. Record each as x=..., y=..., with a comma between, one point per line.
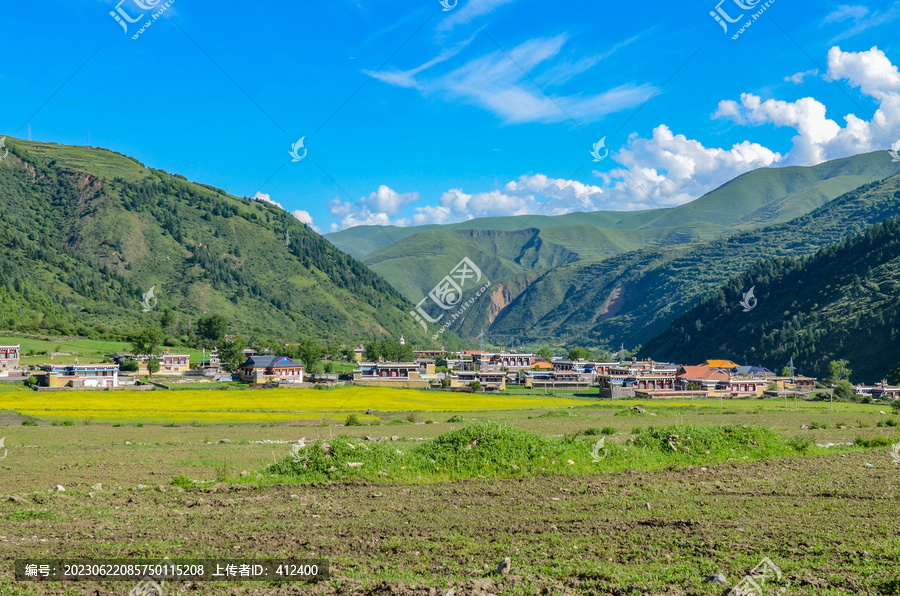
x=441, y=491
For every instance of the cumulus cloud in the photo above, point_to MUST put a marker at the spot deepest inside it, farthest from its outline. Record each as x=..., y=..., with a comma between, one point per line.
x=261, y=196
x=670, y=169
x=300, y=214
x=819, y=138
x=305, y=217
x=374, y=209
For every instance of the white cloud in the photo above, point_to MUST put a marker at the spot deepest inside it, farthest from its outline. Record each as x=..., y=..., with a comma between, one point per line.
x=862, y=18
x=305, y=217
x=390, y=201
x=671, y=169
x=471, y=10
x=375, y=209
x=844, y=12
x=261, y=196
x=797, y=78
x=300, y=214
x=820, y=138
x=497, y=82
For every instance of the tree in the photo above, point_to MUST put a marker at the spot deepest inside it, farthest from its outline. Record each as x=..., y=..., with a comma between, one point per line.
x=475, y=385
x=129, y=366
x=152, y=366
x=372, y=351
x=893, y=377
x=838, y=370
x=844, y=390
x=440, y=362
x=168, y=317
x=146, y=342
x=211, y=330
x=545, y=353
x=579, y=353
x=310, y=353
x=231, y=353
x=785, y=372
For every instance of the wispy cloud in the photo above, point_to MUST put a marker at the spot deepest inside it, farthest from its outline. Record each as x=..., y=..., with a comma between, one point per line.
x=471, y=10
x=862, y=17
x=497, y=82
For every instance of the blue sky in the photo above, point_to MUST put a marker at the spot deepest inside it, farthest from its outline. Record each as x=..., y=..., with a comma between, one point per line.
x=413, y=114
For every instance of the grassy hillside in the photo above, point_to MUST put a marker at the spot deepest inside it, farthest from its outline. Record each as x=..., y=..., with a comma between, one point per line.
x=86, y=232
x=840, y=302
x=635, y=296
x=413, y=260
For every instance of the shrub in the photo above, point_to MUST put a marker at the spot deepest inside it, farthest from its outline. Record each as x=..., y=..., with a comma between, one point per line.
x=29, y=423
x=592, y=432
x=117, y=425
x=411, y=417
x=171, y=425
x=455, y=418
x=873, y=442
x=139, y=425
x=352, y=420
x=607, y=430
x=182, y=482
x=87, y=420
x=68, y=423
x=429, y=421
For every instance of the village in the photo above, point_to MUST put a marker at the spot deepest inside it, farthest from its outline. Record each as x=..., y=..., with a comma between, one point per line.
x=468, y=370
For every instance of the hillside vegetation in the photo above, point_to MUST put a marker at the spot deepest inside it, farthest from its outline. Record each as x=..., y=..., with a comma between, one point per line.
x=590, y=266
x=86, y=233
x=633, y=297
x=841, y=302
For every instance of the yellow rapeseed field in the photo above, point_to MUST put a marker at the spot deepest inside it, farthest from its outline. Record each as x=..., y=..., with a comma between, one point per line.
x=260, y=406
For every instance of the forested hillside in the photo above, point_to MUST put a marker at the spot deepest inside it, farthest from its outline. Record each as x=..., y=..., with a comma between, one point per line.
x=841, y=302
x=86, y=233
x=633, y=297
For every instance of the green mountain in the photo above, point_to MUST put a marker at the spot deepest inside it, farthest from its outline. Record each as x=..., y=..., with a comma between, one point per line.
x=635, y=296
x=840, y=302
x=86, y=233
x=539, y=263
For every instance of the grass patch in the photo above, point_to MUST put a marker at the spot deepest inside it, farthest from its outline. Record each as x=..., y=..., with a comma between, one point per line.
x=493, y=450
x=873, y=442
x=352, y=420
x=31, y=514
x=558, y=414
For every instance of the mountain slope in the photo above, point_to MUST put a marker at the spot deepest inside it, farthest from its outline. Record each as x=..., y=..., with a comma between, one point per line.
x=839, y=303
x=86, y=232
x=414, y=259
x=635, y=296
